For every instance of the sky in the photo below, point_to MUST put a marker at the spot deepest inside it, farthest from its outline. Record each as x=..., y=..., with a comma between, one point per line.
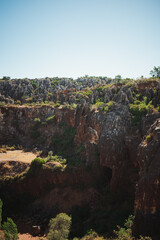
x=73, y=38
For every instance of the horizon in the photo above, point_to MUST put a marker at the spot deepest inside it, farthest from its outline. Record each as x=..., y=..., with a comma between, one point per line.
x=44, y=38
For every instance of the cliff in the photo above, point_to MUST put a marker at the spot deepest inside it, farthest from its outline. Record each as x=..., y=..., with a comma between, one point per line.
x=109, y=134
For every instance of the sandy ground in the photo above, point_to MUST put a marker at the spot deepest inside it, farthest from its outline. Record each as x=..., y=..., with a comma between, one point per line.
x=17, y=155
x=27, y=236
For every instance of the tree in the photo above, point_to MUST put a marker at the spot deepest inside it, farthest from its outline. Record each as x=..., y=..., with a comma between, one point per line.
x=155, y=72
x=6, y=78
x=1, y=203
x=118, y=78
x=59, y=227
x=10, y=230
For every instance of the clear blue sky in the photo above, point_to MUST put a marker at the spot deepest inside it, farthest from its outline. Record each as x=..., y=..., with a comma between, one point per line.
x=71, y=38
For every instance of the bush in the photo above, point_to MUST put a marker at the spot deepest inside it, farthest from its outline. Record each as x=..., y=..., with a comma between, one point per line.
x=37, y=163
x=148, y=138
x=139, y=110
x=59, y=227
x=10, y=230
x=51, y=119
x=34, y=84
x=108, y=106
x=37, y=120
x=55, y=158
x=125, y=233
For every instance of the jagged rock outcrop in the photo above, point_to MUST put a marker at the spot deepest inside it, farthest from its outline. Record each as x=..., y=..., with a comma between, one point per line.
x=147, y=199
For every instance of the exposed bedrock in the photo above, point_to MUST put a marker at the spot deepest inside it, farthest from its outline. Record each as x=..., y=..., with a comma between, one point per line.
x=147, y=196
x=130, y=155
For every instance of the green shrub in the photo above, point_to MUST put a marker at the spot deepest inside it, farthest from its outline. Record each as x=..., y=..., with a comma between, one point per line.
x=37, y=120
x=55, y=82
x=139, y=110
x=51, y=119
x=34, y=84
x=2, y=104
x=99, y=104
x=108, y=106
x=86, y=93
x=10, y=230
x=55, y=158
x=37, y=163
x=105, y=107
x=104, y=87
x=71, y=106
x=148, y=138
x=59, y=227
x=57, y=104
x=18, y=102
x=125, y=233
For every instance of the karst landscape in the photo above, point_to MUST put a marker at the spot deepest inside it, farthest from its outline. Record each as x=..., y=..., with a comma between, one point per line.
x=84, y=150
x=79, y=120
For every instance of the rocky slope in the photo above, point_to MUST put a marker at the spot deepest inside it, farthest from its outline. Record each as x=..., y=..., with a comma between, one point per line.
x=112, y=130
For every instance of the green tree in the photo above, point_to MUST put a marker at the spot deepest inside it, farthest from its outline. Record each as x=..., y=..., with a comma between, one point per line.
x=118, y=78
x=155, y=72
x=59, y=227
x=6, y=78
x=1, y=203
x=10, y=230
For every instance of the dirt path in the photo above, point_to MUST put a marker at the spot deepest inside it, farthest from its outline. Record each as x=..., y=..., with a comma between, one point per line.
x=17, y=155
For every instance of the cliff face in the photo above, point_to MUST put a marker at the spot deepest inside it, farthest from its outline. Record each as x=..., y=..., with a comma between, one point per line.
x=103, y=135
x=124, y=155
x=147, y=198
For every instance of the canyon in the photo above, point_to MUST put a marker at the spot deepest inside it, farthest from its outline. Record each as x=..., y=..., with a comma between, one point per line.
x=111, y=143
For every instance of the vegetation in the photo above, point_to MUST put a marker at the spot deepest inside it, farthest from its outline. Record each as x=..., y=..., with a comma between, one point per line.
x=51, y=119
x=70, y=106
x=105, y=107
x=86, y=93
x=125, y=233
x=10, y=230
x=59, y=227
x=104, y=87
x=34, y=84
x=64, y=145
x=118, y=78
x=55, y=82
x=148, y=138
x=37, y=120
x=139, y=109
x=155, y=72
x=9, y=227
x=55, y=158
x=37, y=163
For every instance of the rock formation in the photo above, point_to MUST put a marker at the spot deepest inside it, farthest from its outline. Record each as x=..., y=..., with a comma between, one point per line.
x=92, y=126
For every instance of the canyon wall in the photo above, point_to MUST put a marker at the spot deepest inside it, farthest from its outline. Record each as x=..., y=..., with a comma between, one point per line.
x=124, y=155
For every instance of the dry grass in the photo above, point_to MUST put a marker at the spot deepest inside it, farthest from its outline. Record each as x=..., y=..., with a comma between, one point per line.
x=18, y=155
